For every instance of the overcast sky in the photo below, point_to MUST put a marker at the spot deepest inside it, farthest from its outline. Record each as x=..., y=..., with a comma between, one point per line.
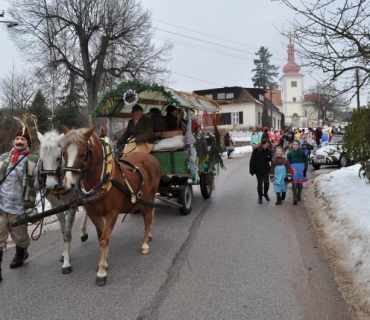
x=214, y=40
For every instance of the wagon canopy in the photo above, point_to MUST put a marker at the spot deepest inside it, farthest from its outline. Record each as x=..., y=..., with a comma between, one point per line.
x=118, y=102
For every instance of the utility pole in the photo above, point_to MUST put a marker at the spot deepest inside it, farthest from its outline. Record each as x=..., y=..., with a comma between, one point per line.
x=271, y=108
x=358, y=89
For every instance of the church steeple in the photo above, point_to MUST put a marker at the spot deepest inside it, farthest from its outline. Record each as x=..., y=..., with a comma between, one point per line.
x=291, y=68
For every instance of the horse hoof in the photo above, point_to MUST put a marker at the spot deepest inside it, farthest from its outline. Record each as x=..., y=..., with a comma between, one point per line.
x=144, y=250
x=101, y=281
x=84, y=238
x=66, y=270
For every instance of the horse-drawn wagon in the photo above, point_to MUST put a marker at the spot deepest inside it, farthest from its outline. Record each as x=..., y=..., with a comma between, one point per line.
x=84, y=165
x=196, y=160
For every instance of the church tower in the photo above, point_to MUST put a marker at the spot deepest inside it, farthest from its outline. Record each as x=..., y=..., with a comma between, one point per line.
x=291, y=84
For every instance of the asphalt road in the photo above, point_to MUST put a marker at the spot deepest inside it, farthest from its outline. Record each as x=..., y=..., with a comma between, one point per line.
x=231, y=258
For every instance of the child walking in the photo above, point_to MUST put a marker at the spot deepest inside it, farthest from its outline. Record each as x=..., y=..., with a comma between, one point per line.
x=299, y=162
x=280, y=171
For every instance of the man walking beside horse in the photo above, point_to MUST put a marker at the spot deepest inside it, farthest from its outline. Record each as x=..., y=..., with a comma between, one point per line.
x=18, y=171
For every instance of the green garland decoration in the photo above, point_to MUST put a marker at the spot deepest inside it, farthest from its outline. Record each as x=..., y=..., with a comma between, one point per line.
x=209, y=150
x=114, y=96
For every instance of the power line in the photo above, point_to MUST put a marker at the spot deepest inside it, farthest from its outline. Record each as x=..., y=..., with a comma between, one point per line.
x=180, y=74
x=212, y=43
x=209, y=35
x=202, y=48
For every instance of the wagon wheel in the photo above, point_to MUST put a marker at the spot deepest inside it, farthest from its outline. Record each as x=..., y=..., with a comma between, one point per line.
x=206, y=184
x=185, y=198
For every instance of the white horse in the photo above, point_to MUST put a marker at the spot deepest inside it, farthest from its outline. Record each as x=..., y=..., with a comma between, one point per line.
x=52, y=163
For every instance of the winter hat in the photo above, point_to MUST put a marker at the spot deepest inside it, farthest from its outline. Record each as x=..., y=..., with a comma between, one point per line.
x=154, y=111
x=23, y=132
x=136, y=107
x=265, y=129
x=170, y=108
x=255, y=131
x=291, y=132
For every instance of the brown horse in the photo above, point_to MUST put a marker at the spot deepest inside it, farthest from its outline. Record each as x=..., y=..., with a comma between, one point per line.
x=108, y=187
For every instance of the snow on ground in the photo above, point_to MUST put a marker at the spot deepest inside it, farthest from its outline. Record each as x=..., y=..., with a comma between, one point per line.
x=338, y=206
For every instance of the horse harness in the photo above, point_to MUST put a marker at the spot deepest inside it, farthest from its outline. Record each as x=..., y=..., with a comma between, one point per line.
x=107, y=179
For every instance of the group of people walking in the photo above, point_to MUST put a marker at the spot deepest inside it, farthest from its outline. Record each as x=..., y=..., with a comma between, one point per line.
x=279, y=168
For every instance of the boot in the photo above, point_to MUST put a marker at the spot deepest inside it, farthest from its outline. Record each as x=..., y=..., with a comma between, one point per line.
x=259, y=190
x=21, y=255
x=266, y=195
x=278, y=198
x=294, y=188
x=1, y=260
x=283, y=194
x=299, y=194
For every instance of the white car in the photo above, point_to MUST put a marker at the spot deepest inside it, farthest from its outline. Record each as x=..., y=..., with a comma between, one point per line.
x=331, y=154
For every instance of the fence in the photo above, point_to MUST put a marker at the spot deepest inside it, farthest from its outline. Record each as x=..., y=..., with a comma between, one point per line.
x=241, y=135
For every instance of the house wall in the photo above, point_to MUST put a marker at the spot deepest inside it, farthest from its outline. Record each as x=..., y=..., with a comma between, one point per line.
x=250, y=115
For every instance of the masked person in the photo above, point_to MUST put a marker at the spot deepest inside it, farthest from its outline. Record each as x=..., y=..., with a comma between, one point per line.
x=138, y=133
x=18, y=173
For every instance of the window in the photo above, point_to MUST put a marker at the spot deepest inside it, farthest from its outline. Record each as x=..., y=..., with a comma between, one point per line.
x=259, y=118
x=221, y=96
x=294, y=84
x=261, y=97
x=235, y=118
x=230, y=95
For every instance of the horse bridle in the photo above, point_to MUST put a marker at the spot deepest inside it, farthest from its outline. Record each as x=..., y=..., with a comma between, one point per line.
x=80, y=170
x=93, y=193
x=55, y=172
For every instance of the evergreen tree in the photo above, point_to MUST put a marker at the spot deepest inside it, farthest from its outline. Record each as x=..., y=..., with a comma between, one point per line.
x=356, y=140
x=264, y=71
x=41, y=111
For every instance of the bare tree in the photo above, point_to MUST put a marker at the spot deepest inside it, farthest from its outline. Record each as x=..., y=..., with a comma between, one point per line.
x=17, y=90
x=324, y=99
x=334, y=37
x=90, y=38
